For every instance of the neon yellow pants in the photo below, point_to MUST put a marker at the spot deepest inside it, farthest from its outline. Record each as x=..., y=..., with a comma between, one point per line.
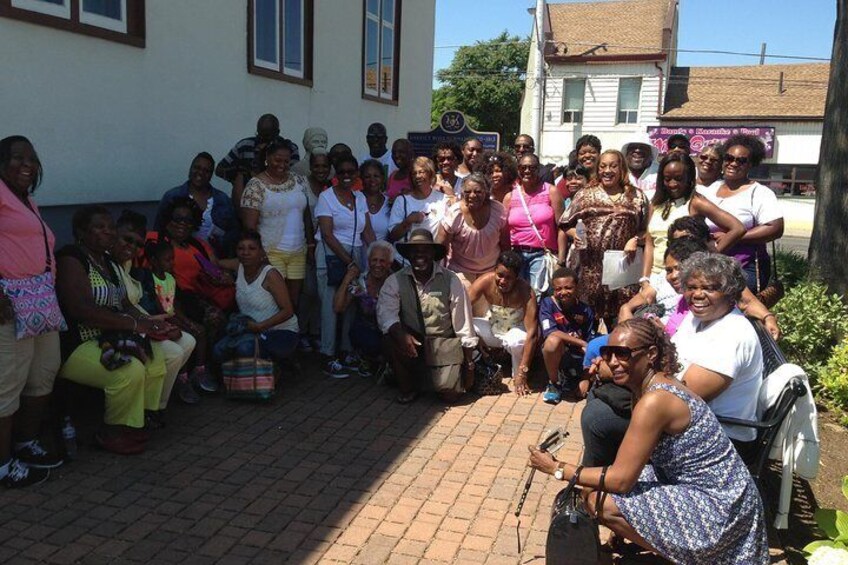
x=129, y=390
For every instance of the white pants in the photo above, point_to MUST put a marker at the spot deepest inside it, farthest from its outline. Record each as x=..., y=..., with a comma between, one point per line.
x=176, y=355
x=512, y=341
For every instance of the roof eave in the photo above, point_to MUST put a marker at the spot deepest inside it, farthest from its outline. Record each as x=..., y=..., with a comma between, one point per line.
x=623, y=58
x=746, y=118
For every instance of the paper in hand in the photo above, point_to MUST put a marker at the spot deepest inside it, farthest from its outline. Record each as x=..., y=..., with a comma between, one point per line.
x=619, y=271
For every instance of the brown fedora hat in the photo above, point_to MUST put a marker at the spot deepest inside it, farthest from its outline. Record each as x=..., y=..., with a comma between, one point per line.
x=417, y=238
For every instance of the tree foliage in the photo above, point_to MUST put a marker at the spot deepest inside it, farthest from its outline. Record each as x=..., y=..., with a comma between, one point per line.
x=485, y=81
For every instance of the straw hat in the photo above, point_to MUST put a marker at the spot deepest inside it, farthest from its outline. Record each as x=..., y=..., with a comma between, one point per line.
x=417, y=238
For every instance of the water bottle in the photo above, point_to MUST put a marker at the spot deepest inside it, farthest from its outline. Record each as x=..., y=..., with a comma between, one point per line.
x=581, y=242
x=69, y=434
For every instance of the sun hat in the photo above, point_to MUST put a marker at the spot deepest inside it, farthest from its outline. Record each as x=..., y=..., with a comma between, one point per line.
x=641, y=139
x=417, y=238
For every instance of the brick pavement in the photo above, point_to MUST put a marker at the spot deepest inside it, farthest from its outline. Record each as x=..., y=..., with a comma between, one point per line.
x=331, y=472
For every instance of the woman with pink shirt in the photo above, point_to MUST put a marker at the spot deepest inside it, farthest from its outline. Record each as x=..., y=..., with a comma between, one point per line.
x=533, y=208
x=471, y=230
x=400, y=181
x=31, y=359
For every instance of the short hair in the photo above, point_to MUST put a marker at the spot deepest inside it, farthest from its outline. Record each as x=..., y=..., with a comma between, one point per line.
x=564, y=273
x=251, y=235
x=506, y=162
x=695, y=226
x=6, y=156
x=340, y=148
x=752, y=143
x=578, y=170
x=678, y=137
x=275, y=147
x=183, y=202
x=590, y=140
x=426, y=164
x=645, y=333
x=690, y=175
x=451, y=146
x=714, y=147
x=346, y=158
x=480, y=179
x=511, y=260
x=684, y=247
x=470, y=139
x=372, y=164
x=380, y=244
x=719, y=269
x=204, y=155
x=83, y=216
x=155, y=248
x=313, y=156
x=529, y=156
x=132, y=220
x=526, y=136
x=270, y=118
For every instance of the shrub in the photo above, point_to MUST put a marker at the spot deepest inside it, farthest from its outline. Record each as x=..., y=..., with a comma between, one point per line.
x=812, y=322
x=834, y=524
x=833, y=378
x=792, y=267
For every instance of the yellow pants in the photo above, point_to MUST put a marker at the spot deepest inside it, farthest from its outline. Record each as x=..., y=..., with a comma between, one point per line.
x=129, y=389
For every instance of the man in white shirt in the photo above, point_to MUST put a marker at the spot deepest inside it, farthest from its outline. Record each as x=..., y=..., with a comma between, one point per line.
x=376, y=138
x=640, y=155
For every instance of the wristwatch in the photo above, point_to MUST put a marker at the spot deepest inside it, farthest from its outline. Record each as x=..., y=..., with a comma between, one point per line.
x=644, y=280
x=559, y=474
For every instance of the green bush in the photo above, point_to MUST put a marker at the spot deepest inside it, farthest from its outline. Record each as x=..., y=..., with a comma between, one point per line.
x=813, y=322
x=833, y=377
x=792, y=267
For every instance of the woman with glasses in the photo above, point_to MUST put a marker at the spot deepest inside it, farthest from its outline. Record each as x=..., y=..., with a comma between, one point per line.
x=424, y=207
x=749, y=202
x=533, y=208
x=447, y=156
x=675, y=198
x=471, y=230
x=676, y=472
x=709, y=164
x=344, y=227
x=501, y=170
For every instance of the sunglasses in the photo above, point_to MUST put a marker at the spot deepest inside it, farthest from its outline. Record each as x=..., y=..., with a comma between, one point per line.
x=728, y=159
x=182, y=219
x=528, y=167
x=707, y=159
x=621, y=352
x=346, y=172
x=522, y=146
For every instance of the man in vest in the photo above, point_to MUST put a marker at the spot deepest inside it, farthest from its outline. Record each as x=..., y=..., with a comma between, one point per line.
x=425, y=313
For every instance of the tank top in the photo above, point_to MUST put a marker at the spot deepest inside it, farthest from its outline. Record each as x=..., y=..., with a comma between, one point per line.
x=521, y=232
x=254, y=301
x=659, y=229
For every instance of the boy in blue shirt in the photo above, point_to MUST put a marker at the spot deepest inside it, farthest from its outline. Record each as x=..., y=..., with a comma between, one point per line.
x=567, y=325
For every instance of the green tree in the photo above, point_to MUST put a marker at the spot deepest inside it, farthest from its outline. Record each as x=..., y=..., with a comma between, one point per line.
x=485, y=81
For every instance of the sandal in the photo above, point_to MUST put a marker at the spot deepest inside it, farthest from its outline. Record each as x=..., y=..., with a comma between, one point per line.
x=406, y=398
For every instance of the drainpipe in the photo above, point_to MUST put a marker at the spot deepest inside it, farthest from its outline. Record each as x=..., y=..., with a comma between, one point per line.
x=661, y=97
x=539, y=78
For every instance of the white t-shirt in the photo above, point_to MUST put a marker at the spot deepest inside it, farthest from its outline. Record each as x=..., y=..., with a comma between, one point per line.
x=666, y=295
x=757, y=205
x=647, y=182
x=433, y=208
x=388, y=163
x=380, y=221
x=728, y=346
x=280, y=210
x=343, y=220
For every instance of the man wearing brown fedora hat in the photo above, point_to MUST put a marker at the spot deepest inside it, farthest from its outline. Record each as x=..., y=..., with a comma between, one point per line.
x=425, y=312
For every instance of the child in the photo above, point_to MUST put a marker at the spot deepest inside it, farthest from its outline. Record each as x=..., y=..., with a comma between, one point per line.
x=567, y=324
x=159, y=299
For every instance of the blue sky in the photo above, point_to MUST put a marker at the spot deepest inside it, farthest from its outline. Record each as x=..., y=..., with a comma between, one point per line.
x=789, y=27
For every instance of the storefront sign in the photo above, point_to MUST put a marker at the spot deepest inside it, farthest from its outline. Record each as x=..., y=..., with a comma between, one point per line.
x=452, y=127
x=701, y=136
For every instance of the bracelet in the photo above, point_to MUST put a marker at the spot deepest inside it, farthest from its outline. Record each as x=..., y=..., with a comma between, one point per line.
x=576, y=476
x=311, y=245
x=767, y=316
x=134, y=321
x=351, y=265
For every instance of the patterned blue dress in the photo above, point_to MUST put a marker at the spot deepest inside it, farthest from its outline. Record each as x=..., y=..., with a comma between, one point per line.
x=696, y=502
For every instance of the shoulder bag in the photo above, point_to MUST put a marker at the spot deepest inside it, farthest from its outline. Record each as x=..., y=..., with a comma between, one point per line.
x=573, y=537
x=336, y=268
x=34, y=300
x=249, y=378
x=774, y=290
x=551, y=261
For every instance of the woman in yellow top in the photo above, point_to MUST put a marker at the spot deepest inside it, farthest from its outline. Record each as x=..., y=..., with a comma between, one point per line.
x=675, y=198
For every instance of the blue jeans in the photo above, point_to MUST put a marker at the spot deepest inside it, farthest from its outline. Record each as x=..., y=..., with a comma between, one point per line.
x=603, y=430
x=750, y=271
x=534, y=270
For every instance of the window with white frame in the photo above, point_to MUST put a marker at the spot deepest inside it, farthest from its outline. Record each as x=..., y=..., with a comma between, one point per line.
x=381, y=49
x=572, y=100
x=120, y=20
x=629, y=90
x=281, y=38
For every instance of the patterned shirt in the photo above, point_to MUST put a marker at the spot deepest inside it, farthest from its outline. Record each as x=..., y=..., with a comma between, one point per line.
x=244, y=158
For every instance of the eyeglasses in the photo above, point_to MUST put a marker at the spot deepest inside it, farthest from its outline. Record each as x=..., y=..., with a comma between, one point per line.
x=621, y=352
x=707, y=159
x=728, y=159
x=528, y=167
x=128, y=240
x=182, y=219
x=522, y=146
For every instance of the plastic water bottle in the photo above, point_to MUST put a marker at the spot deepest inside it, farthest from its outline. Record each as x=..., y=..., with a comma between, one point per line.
x=581, y=242
x=69, y=434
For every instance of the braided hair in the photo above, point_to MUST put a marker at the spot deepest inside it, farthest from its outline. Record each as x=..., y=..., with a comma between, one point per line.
x=646, y=333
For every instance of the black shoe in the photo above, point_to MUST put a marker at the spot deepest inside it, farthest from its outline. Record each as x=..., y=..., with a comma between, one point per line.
x=20, y=475
x=36, y=457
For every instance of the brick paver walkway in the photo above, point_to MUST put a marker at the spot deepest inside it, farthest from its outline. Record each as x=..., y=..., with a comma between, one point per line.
x=333, y=471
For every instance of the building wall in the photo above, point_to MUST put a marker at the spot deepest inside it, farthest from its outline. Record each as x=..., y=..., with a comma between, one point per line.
x=600, y=106
x=114, y=123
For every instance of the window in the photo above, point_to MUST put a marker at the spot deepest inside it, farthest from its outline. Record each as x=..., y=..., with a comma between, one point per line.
x=381, y=47
x=628, y=100
x=117, y=20
x=280, y=39
x=572, y=100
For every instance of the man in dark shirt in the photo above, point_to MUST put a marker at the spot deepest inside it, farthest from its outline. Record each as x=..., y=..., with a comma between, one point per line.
x=246, y=156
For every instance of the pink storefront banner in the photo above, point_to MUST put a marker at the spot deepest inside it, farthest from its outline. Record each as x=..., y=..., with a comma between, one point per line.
x=702, y=136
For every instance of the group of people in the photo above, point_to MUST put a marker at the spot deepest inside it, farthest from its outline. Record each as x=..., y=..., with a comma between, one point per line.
x=419, y=268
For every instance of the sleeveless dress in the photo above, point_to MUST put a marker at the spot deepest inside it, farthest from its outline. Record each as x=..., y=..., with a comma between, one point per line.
x=696, y=501
x=658, y=227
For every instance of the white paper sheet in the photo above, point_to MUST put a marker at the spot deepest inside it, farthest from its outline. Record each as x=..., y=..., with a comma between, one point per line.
x=619, y=272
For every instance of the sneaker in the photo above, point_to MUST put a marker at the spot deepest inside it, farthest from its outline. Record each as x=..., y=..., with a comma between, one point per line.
x=204, y=379
x=351, y=361
x=305, y=345
x=21, y=475
x=336, y=370
x=185, y=391
x=552, y=394
x=36, y=457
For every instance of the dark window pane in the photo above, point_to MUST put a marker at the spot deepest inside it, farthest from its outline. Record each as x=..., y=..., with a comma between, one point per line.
x=387, y=64
x=267, y=26
x=56, y=2
x=293, y=34
x=374, y=7
x=371, y=54
x=106, y=8
x=389, y=10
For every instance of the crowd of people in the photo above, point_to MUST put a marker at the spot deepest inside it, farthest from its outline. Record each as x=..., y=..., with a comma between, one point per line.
x=417, y=269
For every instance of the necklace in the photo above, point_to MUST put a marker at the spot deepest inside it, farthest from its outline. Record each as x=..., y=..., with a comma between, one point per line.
x=98, y=264
x=343, y=201
x=617, y=198
x=374, y=207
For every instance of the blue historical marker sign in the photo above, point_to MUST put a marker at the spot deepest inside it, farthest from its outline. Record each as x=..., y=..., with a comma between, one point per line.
x=452, y=127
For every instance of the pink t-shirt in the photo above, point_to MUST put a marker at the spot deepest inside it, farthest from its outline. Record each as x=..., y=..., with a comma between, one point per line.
x=474, y=251
x=521, y=231
x=395, y=187
x=22, y=253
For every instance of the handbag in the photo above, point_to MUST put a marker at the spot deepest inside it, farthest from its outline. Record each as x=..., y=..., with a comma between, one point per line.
x=336, y=268
x=488, y=378
x=249, y=378
x=34, y=299
x=550, y=260
x=573, y=536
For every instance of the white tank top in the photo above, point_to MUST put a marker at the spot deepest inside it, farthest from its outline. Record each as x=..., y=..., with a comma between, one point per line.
x=254, y=301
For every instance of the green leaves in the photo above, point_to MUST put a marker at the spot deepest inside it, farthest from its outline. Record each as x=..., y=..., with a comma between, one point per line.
x=845, y=487
x=834, y=524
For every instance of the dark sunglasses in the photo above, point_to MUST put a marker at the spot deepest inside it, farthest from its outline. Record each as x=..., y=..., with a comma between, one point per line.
x=707, y=159
x=621, y=352
x=728, y=159
x=522, y=146
x=346, y=172
x=182, y=219
x=528, y=167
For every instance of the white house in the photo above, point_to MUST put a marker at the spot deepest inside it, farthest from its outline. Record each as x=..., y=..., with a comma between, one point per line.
x=606, y=65
x=119, y=95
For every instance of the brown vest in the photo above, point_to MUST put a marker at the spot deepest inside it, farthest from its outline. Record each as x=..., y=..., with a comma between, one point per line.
x=433, y=318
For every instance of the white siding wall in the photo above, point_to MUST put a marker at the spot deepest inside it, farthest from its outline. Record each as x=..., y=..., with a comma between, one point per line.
x=600, y=106
x=114, y=123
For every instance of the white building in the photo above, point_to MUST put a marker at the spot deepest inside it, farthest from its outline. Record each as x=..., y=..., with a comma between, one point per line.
x=606, y=65
x=118, y=95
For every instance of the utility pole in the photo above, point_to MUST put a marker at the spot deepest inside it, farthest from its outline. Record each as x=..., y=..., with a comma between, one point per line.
x=539, y=77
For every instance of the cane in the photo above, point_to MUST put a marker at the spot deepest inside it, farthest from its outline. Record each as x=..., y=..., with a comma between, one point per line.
x=553, y=438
